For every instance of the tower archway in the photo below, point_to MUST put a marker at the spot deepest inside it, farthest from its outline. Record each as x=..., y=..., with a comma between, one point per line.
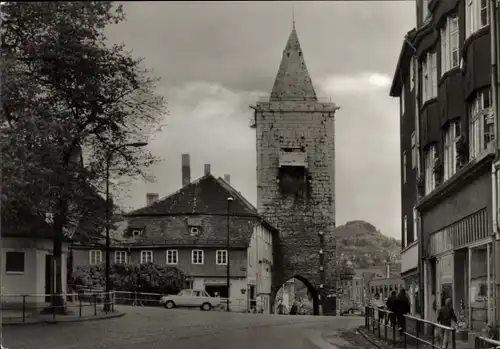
x=296, y=290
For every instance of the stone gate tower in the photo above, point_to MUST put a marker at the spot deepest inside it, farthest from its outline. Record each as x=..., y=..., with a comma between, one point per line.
x=296, y=173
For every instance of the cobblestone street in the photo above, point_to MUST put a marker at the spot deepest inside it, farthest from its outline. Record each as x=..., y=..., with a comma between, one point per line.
x=183, y=329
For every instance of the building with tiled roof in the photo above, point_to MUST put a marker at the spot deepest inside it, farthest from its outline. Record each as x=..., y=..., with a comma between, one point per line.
x=188, y=229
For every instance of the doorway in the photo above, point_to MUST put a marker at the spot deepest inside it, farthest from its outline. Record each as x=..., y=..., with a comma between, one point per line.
x=251, y=297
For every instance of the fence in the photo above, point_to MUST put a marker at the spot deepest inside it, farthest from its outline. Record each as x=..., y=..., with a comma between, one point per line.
x=414, y=332
x=33, y=307
x=486, y=343
x=145, y=299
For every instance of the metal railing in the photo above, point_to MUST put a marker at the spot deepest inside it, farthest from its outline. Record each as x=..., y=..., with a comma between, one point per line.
x=486, y=343
x=412, y=331
x=376, y=318
x=428, y=333
x=17, y=308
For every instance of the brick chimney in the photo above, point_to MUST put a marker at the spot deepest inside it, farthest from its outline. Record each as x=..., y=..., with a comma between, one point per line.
x=186, y=170
x=227, y=179
x=207, y=169
x=151, y=198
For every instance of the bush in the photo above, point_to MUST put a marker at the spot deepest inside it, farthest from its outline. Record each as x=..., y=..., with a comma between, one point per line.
x=150, y=278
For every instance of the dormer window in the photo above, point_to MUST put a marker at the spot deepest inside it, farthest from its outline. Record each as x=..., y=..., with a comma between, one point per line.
x=194, y=231
x=136, y=232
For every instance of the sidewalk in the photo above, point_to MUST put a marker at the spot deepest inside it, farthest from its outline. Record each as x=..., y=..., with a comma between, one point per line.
x=75, y=313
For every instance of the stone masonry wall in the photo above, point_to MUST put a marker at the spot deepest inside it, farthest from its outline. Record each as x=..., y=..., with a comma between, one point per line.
x=310, y=125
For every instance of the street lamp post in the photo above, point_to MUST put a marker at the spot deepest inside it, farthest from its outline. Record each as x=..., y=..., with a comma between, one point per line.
x=108, y=218
x=228, y=277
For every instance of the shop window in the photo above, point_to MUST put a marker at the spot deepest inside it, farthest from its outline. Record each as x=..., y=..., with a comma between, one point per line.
x=481, y=288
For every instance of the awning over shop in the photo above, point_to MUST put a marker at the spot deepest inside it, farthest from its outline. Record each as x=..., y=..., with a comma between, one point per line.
x=295, y=159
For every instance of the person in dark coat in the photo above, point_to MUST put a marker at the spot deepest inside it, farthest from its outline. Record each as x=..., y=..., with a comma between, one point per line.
x=402, y=307
x=445, y=317
x=391, y=306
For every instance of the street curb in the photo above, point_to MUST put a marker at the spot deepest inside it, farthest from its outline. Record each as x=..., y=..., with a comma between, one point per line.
x=318, y=340
x=54, y=322
x=365, y=336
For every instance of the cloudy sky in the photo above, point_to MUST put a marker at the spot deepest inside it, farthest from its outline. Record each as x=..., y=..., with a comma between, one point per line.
x=217, y=58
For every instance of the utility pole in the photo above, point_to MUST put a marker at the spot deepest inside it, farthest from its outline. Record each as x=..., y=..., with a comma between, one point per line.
x=495, y=89
x=228, y=270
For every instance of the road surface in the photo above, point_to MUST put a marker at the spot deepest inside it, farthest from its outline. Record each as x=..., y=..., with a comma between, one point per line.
x=149, y=328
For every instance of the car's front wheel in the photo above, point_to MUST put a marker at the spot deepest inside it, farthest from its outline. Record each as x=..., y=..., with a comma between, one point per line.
x=169, y=305
x=206, y=306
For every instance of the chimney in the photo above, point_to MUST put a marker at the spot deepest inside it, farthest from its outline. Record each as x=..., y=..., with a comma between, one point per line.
x=227, y=179
x=207, y=169
x=186, y=170
x=151, y=198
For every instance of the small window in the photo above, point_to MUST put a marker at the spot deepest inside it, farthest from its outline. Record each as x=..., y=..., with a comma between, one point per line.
x=14, y=262
x=120, y=257
x=146, y=257
x=95, y=257
x=221, y=257
x=194, y=231
x=136, y=232
x=172, y=257
x=197, y=257
x=300, y=53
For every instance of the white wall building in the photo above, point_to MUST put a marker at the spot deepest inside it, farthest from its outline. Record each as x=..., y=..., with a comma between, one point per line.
x=259, y=269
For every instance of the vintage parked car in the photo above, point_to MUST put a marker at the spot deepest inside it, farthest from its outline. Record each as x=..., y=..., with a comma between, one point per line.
x=191, y=299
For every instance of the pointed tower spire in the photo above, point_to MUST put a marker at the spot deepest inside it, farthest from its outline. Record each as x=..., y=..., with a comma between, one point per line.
x=293, y=81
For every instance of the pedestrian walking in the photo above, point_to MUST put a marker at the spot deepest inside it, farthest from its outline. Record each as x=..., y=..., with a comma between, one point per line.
x=391, y=305
x=447, y=317
x=402, y=307
x=378, y=303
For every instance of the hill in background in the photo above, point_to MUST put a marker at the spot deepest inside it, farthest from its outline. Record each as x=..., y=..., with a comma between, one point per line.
x=364, y=245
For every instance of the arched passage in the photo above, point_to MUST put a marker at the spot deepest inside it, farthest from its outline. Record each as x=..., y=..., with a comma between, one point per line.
x=297, y=289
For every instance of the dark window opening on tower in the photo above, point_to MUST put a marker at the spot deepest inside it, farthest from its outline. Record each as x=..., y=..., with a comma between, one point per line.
x=292, y=180
x=288, y=54
x=300, y=53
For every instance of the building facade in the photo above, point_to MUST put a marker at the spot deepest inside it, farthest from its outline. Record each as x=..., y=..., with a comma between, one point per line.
x=27, y=269
x=188, y=230
x=295, y=172
x=443, y=80
x=27, y=266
